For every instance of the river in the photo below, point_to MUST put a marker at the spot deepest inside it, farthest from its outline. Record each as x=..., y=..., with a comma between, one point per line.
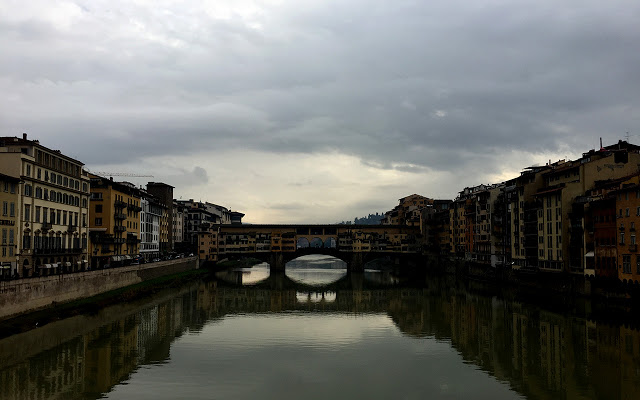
x=316, y=332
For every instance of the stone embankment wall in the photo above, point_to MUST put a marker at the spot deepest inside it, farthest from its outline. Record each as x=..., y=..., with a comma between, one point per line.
x=24, y=295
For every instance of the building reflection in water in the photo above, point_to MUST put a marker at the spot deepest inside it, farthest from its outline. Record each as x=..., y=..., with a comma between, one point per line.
x=540, y=354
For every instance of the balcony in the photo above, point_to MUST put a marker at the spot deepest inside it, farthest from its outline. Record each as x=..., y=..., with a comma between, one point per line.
x=119, y=216
x=134, y=208
x=119, y=204
x=72, y=228
x=47, y=226
x=119, y=228
x=119, y=240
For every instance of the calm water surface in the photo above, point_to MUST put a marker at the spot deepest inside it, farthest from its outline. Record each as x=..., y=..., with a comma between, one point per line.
x=316, y=332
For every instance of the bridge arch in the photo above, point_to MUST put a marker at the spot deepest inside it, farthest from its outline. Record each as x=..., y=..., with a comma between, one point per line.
x=302, y=243
x=316, y=243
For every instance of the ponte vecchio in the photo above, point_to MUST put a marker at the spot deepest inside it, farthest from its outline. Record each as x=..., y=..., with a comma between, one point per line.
x=279, y=244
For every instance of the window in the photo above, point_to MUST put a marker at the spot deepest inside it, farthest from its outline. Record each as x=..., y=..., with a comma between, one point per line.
x=98, y=208
x=621, y=237
x=39, y=173
x=36, y=215
x=84, y=203
x=13, y=188
x=633, y=238
x=12, y=209
x=84, y=187
x=5, y=208
x=11, y=239
x=638, y=264
x=626, y=213
x=98, y=221
x=626, y=264
x=4, y=236
x=549, y=241
x=27, y=212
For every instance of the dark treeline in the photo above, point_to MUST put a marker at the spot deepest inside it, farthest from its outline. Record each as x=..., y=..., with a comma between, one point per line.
x=371, y=219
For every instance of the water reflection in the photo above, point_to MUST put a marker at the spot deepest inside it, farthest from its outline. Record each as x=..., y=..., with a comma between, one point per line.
x=316, y=297
x=381, y=277
x=316, y=270
x=245, y=276
x=213, y=340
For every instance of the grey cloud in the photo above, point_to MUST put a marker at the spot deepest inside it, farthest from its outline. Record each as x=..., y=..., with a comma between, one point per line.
x=411, y=86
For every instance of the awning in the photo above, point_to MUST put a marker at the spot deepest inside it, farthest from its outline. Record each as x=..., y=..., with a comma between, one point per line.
x=589, y=254
x=5, y=267
x=47, y=266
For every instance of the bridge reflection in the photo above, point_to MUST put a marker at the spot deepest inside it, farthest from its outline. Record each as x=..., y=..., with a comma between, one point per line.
x=541, y=354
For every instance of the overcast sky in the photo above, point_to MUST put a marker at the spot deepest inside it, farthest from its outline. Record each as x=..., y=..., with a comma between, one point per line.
x=319, y=110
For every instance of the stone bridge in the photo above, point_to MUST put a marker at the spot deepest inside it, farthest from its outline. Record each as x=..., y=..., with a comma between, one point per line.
x=279, y=244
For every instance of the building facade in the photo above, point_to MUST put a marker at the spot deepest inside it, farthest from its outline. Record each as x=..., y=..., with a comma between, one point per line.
x=51, y=234
x=164, y=194
x=114, y=222
x=9, y=222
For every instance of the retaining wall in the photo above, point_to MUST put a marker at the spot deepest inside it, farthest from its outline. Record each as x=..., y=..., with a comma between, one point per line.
x=24, y=295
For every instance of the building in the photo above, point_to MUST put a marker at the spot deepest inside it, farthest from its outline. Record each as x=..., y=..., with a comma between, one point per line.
x=114, y=222
x=164, y=194
x=562, y=238
x=10, y=221
x=51, y=234
x=408, y=211
x=150, y=223
x=435, y=226
x=179, y=219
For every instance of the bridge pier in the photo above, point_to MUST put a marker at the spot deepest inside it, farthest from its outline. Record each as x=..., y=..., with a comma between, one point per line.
x=276, y=262
x=357, y=263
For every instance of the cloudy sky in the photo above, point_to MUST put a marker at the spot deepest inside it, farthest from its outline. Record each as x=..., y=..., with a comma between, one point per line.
x=319, y=110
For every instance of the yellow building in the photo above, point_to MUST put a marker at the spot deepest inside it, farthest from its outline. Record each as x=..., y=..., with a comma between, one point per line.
x=114, y=221
x=52, y=234
x=9, y=198
x=561, y=234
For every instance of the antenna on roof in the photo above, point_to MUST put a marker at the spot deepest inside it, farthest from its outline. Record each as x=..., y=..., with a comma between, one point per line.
x=601, y=148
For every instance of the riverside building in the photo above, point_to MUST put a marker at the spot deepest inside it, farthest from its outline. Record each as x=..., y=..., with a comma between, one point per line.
x=51, y=211
x=114, y=222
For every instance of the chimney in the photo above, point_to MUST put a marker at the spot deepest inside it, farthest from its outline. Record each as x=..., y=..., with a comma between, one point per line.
x=24, y=136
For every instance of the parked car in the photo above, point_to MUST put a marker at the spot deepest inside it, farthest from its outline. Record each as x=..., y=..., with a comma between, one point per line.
x=190, y=254
x=155, y=260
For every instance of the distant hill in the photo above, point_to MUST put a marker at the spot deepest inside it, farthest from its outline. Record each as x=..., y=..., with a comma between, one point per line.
x=371, y=219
